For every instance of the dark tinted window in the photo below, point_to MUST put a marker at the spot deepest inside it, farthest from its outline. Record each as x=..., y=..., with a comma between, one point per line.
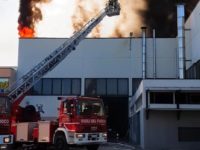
x=47, y=87
x=122, y=87
x=112, y=86
x=76, y=87
x=101, y=86
x=37, y=89
x=161, y=97
x=56, y=86
x=66, y=86
x=90, y=86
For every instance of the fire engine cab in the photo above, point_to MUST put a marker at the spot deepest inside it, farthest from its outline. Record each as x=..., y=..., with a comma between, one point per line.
x=81, y=120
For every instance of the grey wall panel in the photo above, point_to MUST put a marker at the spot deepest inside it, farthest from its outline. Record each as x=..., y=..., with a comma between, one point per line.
x=101, y=58
x=193, y=36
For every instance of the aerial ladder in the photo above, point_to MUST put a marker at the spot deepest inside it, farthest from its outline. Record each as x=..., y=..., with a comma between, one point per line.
x=19, y=89
x=27, y=81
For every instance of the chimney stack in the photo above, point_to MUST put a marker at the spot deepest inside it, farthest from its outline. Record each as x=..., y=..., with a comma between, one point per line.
x=144, y=46
x=181, y=40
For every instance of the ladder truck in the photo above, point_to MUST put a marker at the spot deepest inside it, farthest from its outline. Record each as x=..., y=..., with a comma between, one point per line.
x=81, y=120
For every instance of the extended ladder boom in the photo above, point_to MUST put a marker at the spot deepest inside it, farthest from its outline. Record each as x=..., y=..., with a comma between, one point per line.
x=47, y=64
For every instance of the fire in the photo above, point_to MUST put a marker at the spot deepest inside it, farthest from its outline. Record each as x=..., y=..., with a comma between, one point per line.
x=26, y=32
x=29, y=15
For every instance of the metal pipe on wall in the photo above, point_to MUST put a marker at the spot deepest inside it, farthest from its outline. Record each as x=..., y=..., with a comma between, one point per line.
x=144, y=45
x=181, y=40
x=154, y=54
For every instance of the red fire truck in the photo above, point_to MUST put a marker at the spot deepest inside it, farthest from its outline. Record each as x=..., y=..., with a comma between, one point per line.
x=81, y=120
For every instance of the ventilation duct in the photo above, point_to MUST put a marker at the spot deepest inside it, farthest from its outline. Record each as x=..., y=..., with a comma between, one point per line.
x=181, y=40
x=144, y=45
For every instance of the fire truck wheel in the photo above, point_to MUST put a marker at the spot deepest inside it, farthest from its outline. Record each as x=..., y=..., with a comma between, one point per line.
x=92, y=147
x=60, y=142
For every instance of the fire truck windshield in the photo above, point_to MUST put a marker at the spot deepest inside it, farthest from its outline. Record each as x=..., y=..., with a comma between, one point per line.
x=86, y=107
x=4, y=105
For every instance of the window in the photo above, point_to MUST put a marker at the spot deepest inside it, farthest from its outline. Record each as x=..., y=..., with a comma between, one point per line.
x=37, y=89
x=90, y=108
x=181, y=98
x=47, y=86
x=122, y=87
x=90, y=86
x=112, y=87
x=101, y=87
x=57, y=86
x=66, y=86
x=161, y=97
x=187, y=98
x=194, y=98
x=76, y=87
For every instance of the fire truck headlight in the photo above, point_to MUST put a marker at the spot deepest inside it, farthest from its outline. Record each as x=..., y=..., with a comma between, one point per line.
x=80, y=135
x=104, y=135
x=7, y=139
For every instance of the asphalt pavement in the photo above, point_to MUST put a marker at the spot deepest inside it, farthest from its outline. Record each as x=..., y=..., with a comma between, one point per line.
x=107, y=146
x=112, y=146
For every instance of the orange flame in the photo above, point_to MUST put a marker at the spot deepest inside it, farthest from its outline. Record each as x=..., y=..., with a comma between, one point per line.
x=26, y=32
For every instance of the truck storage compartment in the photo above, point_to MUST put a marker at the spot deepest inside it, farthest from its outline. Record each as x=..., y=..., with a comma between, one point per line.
x=46, y=130
x=25, y=131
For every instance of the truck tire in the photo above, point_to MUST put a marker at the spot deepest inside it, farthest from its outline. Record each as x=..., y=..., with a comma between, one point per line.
x=93, y=147
x=60, y=142
x=9, y=147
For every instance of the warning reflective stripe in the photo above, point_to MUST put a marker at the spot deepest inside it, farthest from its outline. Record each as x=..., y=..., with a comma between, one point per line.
x=4, y=121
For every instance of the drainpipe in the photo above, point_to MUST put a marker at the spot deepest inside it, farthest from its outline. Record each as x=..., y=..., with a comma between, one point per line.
x=154, y=53
x=130, y=44
x=144, y=52
x=181, y=40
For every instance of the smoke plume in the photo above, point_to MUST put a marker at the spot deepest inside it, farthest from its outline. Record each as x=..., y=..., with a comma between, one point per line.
x=161, y=15
x=30, y=14
x=130, y=19
x=155, y=14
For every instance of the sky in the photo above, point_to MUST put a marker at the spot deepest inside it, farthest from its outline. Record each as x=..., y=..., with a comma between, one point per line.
x=8, y=32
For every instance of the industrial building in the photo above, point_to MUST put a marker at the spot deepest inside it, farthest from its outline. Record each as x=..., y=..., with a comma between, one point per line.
x=150, y=86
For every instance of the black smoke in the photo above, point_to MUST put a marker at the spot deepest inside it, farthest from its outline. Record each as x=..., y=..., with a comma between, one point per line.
x=30, y=13
x=162, y=16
